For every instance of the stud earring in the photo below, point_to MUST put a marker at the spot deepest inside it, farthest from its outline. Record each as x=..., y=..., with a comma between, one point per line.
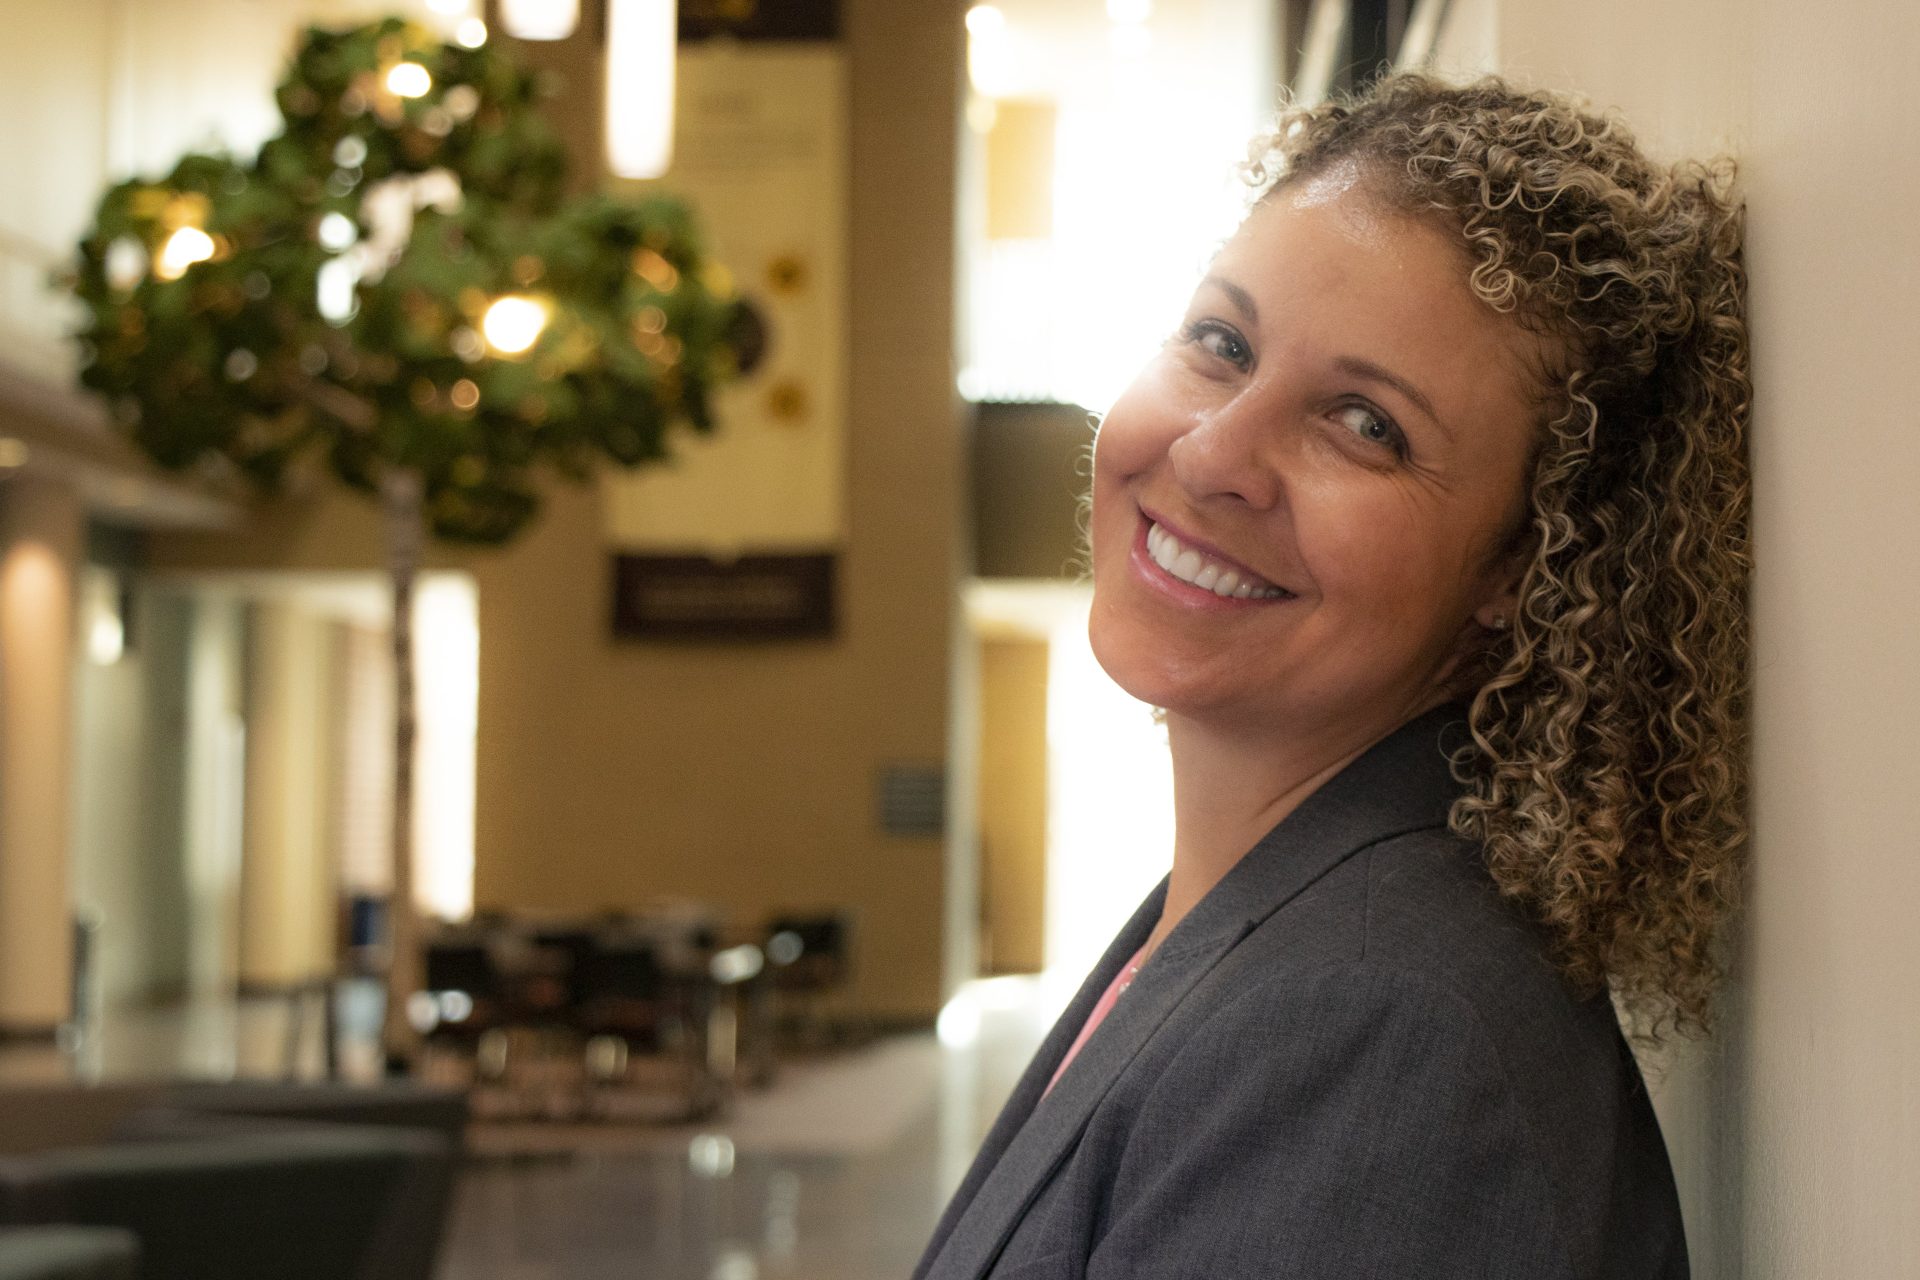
x=1499, y=622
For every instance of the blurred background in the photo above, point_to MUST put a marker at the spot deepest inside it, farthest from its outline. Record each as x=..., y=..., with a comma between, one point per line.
x=766, y=803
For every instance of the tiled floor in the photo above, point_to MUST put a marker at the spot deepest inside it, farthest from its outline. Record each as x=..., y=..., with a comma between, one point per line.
x=837, y=1172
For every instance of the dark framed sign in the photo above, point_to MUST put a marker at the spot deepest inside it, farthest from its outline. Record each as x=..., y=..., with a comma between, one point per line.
x=760, y=19
x=688, y=597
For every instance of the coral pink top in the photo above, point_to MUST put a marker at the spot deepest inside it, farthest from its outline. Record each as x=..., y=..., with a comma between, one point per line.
x=1102, y=1007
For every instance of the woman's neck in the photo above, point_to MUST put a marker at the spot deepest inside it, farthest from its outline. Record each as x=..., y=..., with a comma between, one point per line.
x=1231, y=788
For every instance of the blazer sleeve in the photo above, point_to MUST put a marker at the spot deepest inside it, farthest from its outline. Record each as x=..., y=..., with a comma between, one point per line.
x=1353, y=1123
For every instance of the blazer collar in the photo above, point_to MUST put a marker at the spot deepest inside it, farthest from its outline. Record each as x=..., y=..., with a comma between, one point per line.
x=1403, y=783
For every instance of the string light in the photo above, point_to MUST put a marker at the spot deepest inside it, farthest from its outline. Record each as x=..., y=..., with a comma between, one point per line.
x=471, y=33
x=186, y=246
x=337, y=232
x=409, y=80
x=126, y=264
x=335, y=287
x=513, y=324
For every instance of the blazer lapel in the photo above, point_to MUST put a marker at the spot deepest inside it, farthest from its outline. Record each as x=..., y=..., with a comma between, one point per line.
x=1032, y=1084
x=1401, y=784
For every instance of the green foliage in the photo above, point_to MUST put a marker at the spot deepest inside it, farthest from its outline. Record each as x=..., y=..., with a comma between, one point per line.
x=217, y=347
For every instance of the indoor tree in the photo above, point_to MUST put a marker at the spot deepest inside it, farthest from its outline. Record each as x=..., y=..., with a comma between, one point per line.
x=395, y=291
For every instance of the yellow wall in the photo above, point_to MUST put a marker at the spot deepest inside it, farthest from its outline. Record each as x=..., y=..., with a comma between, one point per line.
x=1799, y=1132
x=1013, y=803
x=289, y=880
x=745, y=775
x=42, y=538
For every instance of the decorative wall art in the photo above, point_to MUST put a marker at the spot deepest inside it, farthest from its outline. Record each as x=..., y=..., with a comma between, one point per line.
x=760, y=149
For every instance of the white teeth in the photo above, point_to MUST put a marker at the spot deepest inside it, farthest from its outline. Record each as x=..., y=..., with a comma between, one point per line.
x=1190, y=566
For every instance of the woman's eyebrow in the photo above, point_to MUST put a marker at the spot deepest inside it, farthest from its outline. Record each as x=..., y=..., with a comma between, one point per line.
x=1354, y=366
x=1238, y=296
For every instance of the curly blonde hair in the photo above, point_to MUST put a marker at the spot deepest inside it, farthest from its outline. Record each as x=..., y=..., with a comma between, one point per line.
x=1606, y=771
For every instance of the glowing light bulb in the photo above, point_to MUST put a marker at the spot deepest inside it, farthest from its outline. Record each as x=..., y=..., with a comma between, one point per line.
x=335, y=288
x=471, y=33
x=106, y=640
x=513, y=324
x=639, y=87
x=985, y=19
x=126, y=263
x=540, y=19
x=408, y=80
x=989, y=56
x=337, y=232
x=186, y=246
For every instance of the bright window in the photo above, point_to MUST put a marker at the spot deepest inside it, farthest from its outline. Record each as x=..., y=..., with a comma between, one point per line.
x=1100, y=176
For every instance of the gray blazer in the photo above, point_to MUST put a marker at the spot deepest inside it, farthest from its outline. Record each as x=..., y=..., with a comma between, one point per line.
x=1349, y=1060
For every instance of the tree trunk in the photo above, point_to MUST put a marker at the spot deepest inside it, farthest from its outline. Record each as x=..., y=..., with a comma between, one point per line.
x=400, y=494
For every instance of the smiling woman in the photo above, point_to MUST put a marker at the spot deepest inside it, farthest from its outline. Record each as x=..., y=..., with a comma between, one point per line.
x=1342, y=423
x=1427, y=530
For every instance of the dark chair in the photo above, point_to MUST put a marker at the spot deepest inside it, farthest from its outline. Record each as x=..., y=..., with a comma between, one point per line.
x=202, y=1168
x=567, y=975
x=221, y=1198
x=808, y=958
x=624, y=992
x=394, y=1104
x=632, y=1004
x=68, y=1253
x=470, y=995
x=821, y=961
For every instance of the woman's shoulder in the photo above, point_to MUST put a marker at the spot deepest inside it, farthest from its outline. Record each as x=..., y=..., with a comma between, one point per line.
x=1410, y=937
x=1399, y=1002
x=1422, y=908
x=1428, y=906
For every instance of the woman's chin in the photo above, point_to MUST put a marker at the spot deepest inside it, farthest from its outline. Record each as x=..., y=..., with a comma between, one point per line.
x=1144, y=670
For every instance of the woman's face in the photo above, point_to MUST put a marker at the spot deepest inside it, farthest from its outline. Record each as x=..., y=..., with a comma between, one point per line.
x=1335, y=442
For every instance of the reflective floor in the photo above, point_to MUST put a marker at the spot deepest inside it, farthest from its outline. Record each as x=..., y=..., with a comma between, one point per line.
x=837, y=1171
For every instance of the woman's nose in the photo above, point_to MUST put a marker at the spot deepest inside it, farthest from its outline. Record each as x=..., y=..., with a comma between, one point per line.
x=1228, y=452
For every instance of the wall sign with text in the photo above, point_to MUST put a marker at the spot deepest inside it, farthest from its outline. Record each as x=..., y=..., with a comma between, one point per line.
x=760, y=151
x=768, y=597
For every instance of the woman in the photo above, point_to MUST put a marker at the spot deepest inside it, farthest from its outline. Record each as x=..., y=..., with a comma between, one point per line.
x=1427, y=531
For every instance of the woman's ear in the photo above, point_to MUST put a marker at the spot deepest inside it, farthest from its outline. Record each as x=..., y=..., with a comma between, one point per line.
x=1501, y=605
x=1496, y=615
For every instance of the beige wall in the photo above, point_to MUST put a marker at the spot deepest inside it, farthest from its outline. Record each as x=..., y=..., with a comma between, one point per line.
x=42, y=545
x=612, y=773
x=1799, y=1136
x=1013, y=803
x=289, y=881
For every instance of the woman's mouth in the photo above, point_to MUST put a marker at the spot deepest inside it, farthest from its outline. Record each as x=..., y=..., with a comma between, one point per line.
x=1197, y=568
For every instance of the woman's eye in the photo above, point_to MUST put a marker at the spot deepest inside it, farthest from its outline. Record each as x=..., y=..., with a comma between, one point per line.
x=1219, y=340
x=1372, y=426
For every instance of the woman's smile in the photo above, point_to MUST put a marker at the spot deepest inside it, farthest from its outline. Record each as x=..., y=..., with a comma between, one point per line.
x=1195, y=572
